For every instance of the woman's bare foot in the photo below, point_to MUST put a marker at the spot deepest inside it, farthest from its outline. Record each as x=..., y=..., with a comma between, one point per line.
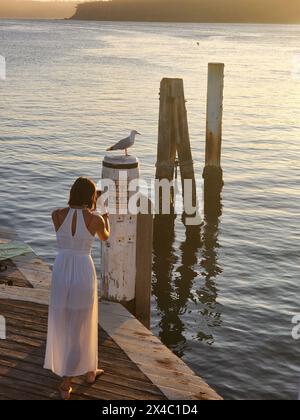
x=65, y=394
x=66, y=389
x=92, y=376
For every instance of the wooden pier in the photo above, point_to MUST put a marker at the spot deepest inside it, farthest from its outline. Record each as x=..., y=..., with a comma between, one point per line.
x=137, y=365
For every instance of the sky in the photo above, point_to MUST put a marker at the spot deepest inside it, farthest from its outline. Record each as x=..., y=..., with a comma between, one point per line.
x=272, y=11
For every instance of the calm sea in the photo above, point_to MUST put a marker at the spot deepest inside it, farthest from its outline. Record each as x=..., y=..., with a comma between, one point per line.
x=223, y=300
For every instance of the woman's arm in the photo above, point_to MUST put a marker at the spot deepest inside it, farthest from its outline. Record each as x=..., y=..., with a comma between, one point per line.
x=55, y=219
x=58, y=217
x=104, y=230
x=103, y=227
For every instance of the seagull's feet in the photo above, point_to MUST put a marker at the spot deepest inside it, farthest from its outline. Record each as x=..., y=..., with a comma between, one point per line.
x=92, y=376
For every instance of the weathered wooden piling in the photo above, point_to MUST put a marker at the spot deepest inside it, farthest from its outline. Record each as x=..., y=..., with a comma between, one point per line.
x=166, y=149
x=173, y=137
x=213, y=173
x=143, y=282
x=126, y=266
x=215, y=88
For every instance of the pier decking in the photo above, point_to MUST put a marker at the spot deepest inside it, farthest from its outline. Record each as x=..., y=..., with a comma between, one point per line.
x=137, y=365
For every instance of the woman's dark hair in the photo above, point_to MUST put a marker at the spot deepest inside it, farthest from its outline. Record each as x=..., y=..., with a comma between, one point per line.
x=83, y=194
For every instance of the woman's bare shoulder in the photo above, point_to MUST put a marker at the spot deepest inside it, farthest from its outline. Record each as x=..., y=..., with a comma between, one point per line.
x=97, y=218
x=91, y=216
x=60, y=212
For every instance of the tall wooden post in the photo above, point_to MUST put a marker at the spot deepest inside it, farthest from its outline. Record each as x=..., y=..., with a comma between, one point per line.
x=143, y=285
x=213, y=174
x=166, y=148
x=173, y=136
x=215, y=90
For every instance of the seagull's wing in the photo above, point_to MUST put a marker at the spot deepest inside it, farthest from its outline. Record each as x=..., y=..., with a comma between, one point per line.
x=122, y=144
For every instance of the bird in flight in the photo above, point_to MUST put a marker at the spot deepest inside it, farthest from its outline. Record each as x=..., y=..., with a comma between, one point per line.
x=126, y=143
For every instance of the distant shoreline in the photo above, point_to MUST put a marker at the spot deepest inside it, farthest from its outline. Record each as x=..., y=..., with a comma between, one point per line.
x=181, y=22
x=190, y=11
x=141, y=21
x=264, y=12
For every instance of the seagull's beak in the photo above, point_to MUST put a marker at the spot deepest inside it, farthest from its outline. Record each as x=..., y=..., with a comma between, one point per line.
x=138, y=133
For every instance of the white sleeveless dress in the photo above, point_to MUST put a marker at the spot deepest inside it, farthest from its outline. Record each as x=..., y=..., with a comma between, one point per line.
x=72, y=341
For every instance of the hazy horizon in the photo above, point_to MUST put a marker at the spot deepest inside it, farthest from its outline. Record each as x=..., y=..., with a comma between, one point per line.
x=263, y=11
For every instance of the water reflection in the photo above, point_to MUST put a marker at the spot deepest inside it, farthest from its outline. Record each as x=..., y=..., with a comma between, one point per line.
x=185, y=274
x=165, y=260
x=207, y=294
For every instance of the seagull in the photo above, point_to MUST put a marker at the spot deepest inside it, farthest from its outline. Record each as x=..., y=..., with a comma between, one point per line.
x=126, y=143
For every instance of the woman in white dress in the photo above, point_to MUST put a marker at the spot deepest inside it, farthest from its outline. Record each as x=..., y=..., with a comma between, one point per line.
x=72, y=341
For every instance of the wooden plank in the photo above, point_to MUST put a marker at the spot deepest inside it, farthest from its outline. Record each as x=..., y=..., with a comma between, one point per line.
x=22, y=357
x=9, y=393
x=38, y=279
x=20, y=350
x=184, y=384
x=10, y=350
x=109, y=377
x=112, y=384
x=28, y=295
x=27, y=341
x=25, y=319
x=35, y=389
x=23, y=311
x=35, y=271
x=115, y=309
x=25, y=305
x=27, y=390
x=152, y=355
x=112, y=365
x=35, y=375
x=144, y=269
x=15, y=321
x=13, y=277
x=32, y=262
x=22, y=346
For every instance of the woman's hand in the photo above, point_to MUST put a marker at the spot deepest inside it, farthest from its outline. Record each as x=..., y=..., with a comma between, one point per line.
x=101, y=207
